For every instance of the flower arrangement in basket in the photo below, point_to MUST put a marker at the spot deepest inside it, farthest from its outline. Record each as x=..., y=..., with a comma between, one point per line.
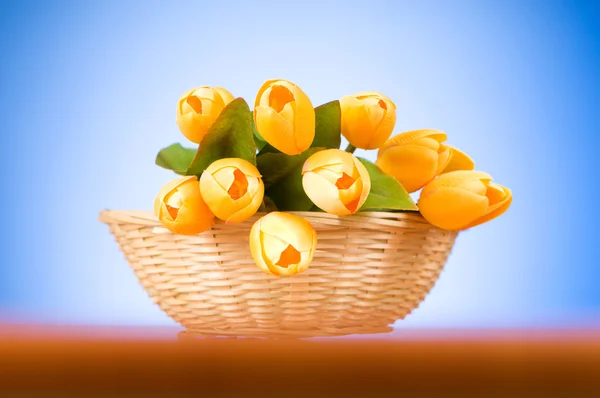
x=273, y=230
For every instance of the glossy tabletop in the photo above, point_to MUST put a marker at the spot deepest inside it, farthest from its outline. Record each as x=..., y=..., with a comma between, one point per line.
x=148, y=361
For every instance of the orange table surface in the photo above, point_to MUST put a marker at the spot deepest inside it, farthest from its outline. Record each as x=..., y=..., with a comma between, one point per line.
x=150, y=361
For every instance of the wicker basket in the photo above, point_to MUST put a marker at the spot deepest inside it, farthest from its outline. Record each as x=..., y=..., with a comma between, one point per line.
x=369, y=270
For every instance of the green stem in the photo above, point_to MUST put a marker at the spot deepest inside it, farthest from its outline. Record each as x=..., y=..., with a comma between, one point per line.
x=350, y=148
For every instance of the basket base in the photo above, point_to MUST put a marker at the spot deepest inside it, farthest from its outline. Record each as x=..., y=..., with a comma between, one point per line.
x=278, y=334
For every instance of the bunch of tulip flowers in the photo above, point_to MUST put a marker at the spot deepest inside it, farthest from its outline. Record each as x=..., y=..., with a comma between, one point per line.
x=290, y=150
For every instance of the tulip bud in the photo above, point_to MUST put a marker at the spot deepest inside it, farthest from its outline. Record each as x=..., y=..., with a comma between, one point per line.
x=367, y=119
x=463, y=199
x=284, y=116
x=282, y=243
x=414, y=158
x=199, y=108
x=232, y=188
x=180, y=208
x=336, y=181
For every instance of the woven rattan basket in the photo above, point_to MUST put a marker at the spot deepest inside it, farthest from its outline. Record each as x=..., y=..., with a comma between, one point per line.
x=369, y=270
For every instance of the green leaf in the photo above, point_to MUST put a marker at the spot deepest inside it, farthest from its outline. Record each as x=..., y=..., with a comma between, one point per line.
x=386, y=192
x=230, y=137
x=258, y=140
x=328, y=119
x=176, y=158
x=282, y=175
x=275, y=166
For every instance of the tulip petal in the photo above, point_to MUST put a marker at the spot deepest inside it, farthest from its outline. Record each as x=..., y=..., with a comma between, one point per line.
x=458, y=161
x=351, y=197
x=254, y=184
x=194, y=126
x=224, y=176
x=225, y=95
x=278, y=254
x=312, y=163
x=494, y=212
x=306, y=257
x=219, y=202
x=211, y=109
x=427, y=142
x=168, y=188
x=305, y=260
x=290, y=228
x=323, y=194
x=366, y=181
x=273, y=246
x=413, y=166
x=190, y=216
x=333, y=159
x=304, y=120
x=256, y=248
x=476, y=186
x=373, y=94
x=356, y=123
x=181, y=209
x=452, y=208
x=279, y=97
x=275, y=130
x=288, y=112
x=216, y=185
x=245, y=166
x=384, y=129
x=206, y=92
x=455, y=178
x=444, y=155
x=409, y=136
x=261, y=95
x=164, y=214
x=330, y=175
x=376, y=113
x=264, y=98
x=287, y=271
x=251, y=209
x=496, y=193
x=192, y=105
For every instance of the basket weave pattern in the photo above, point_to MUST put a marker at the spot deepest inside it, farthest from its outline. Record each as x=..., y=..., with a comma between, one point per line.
x=369, y=270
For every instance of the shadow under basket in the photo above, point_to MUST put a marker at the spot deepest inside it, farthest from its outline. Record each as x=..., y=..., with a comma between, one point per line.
x=369, y=270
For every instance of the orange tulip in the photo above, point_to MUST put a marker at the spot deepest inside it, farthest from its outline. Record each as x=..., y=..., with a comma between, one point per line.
x=336, y=181
x=284, y=116
x=367, y=119
x=416, y=157
x=463, y=199
x=232, y=188
x=199, y=108
x=180, y=208
x=282, y=243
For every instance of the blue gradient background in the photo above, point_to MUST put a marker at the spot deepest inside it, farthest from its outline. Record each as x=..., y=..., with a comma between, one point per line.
x=88, y=93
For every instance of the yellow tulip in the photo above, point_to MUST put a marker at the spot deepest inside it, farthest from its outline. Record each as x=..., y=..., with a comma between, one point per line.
x=336, y=181
x=180, y=208
x=416, y=157
x=284, y=116
x=282, y=243
x=463, y=199
x=199, y=108
x=232, y=188
x=367, y=119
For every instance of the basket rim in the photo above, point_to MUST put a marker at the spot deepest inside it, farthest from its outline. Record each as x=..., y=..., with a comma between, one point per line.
x=412, y=218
